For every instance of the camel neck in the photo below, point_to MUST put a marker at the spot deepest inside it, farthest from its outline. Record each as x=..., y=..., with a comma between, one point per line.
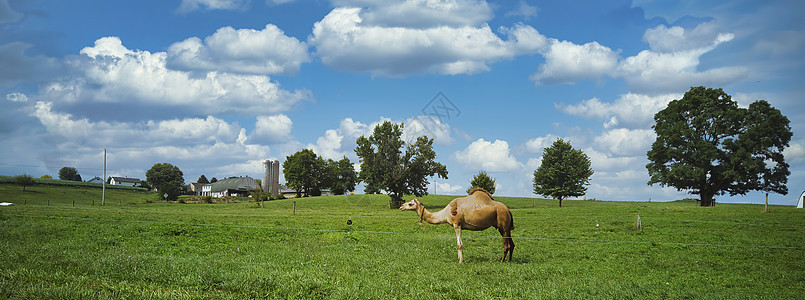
x=429, y=217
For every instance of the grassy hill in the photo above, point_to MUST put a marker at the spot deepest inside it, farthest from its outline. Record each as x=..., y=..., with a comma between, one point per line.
x=134, y=247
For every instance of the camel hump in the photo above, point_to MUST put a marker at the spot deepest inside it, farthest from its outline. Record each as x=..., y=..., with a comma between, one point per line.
x=477, y=189
x=454, y=207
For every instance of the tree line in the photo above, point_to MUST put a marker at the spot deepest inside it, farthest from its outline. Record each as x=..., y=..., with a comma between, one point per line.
x=705, y=144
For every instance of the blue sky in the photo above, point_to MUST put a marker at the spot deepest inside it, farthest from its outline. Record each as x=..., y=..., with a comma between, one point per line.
x=217, y=86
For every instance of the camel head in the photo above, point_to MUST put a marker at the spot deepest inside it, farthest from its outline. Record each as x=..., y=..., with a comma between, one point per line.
x=410, y=205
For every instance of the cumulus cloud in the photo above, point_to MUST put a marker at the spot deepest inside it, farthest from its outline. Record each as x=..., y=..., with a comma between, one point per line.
x=675, y=39
x=566, y=62
x=443, y=188
x=427, y=126
x=167, y=132
x=670, y=65
x=488, y=156
x=537, y=144
x=349, y=38
x=196, y=145
x=626, y=142
x=329, y=145
x=273, y=129
x=112, y=74
x=629, y=110
x=672, y=62
x=421, y=13
x=266, y=51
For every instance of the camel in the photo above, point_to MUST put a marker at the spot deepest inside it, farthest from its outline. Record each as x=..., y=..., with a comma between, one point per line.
x=478, y=211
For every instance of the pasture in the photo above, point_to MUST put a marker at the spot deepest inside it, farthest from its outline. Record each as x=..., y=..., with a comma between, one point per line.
x=135, y=247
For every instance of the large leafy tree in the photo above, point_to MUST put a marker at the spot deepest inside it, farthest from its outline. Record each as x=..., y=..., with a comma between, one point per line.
x=484, y=181
x=303, y=171
x=564, y=172
x=69, y=173
x=343, y=177
x=399, y=168
x=709, y=146
x=165, y=177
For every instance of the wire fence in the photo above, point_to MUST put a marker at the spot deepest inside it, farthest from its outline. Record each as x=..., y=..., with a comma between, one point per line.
x=554, y=239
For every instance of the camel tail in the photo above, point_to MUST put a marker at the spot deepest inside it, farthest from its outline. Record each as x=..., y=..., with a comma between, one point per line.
x=511, y=221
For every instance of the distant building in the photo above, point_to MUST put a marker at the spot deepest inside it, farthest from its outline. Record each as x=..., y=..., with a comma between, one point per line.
x=196, y=188
x=124, y=181
x=233, y=186
x=95, y=180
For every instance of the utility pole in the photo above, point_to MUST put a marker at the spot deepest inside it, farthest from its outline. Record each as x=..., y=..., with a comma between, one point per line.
x=103, y=194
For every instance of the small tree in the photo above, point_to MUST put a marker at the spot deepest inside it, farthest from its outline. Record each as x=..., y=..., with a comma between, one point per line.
x=24, y=180
x=397, y=167
x=46, y=176
x=69, y=173
x=564, y=172
x=202, y=179
x=482, y=180
x=213, y=180
x=171, y=189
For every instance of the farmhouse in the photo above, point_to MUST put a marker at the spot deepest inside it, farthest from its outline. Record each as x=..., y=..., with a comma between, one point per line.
x=95, y=180
x=196, y=188
x=124, y=181
x=233, y=186
x=801, y=200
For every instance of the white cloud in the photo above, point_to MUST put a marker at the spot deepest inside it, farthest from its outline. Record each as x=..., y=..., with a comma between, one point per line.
x=629, y=110
x=523, y=10
x=536, y=144
x=329, y=145
x=267, y=51
x=427, y=126
x=677, y=39
x=191, y=5
x=566, y=62
x=421, y=13
x=168, y=132
x=272, y=129
x=17, y=97
x=448, y=189
x=795, y=151
x=353, y=129
x=626, y=142
x=488, y=156
x=111, y=73
x=672, y=63
x=345, y=40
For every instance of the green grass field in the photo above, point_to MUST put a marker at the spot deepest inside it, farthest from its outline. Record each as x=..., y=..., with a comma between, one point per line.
x=136, y=247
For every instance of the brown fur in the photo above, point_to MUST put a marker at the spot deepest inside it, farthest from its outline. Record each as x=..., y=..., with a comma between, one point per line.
x=477, y=211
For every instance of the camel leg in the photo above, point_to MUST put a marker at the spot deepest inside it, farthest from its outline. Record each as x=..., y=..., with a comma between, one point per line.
x=508, y=245
x=459, y=244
